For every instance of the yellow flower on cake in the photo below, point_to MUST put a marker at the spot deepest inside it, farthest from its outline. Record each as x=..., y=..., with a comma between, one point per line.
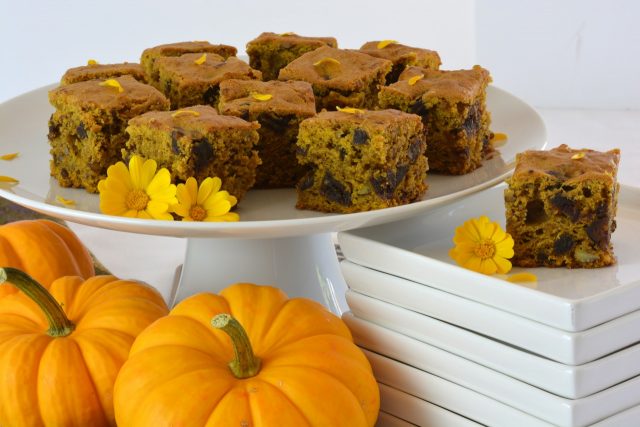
x=137, y=192
x=205, y=203
x=482, y=246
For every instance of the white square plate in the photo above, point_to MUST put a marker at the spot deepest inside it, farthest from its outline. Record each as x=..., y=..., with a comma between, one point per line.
x=398, y=406
x=504, y=401
x=570, y=348
x=573, y=300
x=568, y=381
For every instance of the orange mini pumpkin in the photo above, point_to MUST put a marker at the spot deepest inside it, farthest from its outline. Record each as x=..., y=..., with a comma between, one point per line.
x=43, y=249
x=305, y=371
x=60, y=350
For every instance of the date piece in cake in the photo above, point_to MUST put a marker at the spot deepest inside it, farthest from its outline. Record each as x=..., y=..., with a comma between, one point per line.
x=452, y=105
x=361, y=161
x=279, y=107
x=402, y=57
x=561, y=206
x=198, y=142
x=340, y=78
x=194, y=79
x=87, y=129
x=103, y=71
x=270, y=52
x=150, y=55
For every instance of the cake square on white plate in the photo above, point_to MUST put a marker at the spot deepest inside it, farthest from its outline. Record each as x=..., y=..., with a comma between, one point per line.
x=573, y=300
x=568, y=381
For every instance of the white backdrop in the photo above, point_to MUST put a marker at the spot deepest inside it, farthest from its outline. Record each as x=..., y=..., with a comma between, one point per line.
x=43, y=38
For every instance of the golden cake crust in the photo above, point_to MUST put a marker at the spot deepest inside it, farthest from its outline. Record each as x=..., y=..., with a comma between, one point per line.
x=103, y=71
x=290, y=97
x=350, y=74
x=206, y=120
x=213, y=70
x=397, y=52
x=91, y=94
x=293, y=38
x=567, y=164
x=180, y=48
x=454, y=85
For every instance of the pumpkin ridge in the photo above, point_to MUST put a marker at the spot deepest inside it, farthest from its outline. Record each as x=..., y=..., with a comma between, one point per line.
x=320, y=377
x=73, y=246
x=279, y=391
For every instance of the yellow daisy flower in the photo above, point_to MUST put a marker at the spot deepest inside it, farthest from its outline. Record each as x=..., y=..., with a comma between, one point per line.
x=482, y=246
x=206, y=203
x=137, y=192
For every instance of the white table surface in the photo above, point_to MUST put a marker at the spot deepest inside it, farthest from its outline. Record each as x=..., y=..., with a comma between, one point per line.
x=154, y=259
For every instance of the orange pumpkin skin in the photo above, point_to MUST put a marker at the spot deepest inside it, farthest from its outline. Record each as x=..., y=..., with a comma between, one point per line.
x=68, y=381
x=43, y=249
x=311, y=374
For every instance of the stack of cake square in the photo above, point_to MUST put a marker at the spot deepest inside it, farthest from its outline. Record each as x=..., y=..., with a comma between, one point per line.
x=561, y=351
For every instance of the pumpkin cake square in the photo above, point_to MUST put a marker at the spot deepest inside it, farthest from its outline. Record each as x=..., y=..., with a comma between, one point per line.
x=452, y=105
x=87, y=128
x=198, y=142
x=361, y=160
x=402, y=56
x=561, y=206
x=194, y=78
x=270, y=52
x=340, y=78
x=279, y=107
x=103, y=71
x=150, y=55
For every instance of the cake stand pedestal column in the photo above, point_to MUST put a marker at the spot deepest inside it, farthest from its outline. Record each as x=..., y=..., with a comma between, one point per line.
x=302, y=266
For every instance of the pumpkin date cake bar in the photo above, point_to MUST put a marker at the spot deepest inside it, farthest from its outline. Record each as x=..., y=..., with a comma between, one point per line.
x=87, y=128
x=561, y=207
x=93, y=71
x=402, y=56
x=361, y=160
x=198, y=142
x=270, y=52
x=452, y=105
x=339, y=77
x=279, y=107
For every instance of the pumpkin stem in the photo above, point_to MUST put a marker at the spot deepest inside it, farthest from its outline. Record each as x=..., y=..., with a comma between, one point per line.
x=245, y=363
x=59, y=324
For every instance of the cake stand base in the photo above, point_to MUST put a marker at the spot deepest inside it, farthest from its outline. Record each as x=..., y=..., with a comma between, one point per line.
x=304, y=266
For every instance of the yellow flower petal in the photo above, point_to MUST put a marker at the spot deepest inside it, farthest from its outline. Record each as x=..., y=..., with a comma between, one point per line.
x=11, y=180
x=413, y=80
x=92, y=62
x=112, y=83
x=66, y=202
x=261, y=96
x=201, y=60
x=384, y=43
x=578, y=156
x=180, y=113
x=522, y=277
x=9, y=156
x=350, y=110
x=503, y=264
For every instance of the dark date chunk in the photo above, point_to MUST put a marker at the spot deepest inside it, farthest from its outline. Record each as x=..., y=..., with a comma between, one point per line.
x=535, y=212
x=54, y=129
x=210, y=95
x=471, y=123
x=176, y=134
x=416, y=147
x=360, y=137
x=307, y=181
x=81, y=131
x=419, y=108
x=598, y=232
x=385, y=186
x=566, y=206
x=334, y=190
x=202, y=152
x=564, y=244
x=278, y=124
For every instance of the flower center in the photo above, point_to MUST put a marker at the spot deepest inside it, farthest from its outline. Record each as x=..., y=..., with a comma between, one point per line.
x=485, y=249
x=197, y=213
x=137, y=200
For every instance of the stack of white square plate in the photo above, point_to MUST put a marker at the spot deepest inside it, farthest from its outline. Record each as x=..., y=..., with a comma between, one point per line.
x=453, y=347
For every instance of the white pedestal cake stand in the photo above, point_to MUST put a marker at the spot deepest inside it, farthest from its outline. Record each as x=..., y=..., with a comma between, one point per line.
x=273, y=243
